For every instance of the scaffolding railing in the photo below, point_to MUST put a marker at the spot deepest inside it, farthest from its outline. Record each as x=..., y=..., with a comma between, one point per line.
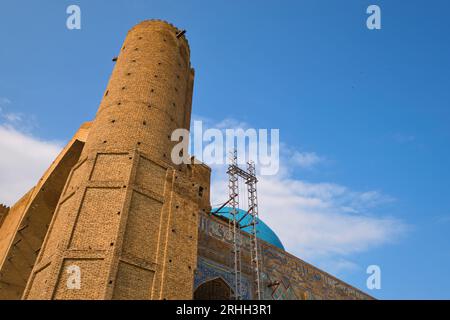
x=234, y=225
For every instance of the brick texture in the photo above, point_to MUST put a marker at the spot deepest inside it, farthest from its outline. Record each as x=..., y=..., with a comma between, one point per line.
x=128, y=217
x=25, y=226
x=114, y=207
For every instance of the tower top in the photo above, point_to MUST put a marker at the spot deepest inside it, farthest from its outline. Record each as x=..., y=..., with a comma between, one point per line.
x=158, y=23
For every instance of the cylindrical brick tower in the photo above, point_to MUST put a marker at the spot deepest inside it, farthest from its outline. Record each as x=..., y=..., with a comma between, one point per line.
x=149, y=93
x=126, y=224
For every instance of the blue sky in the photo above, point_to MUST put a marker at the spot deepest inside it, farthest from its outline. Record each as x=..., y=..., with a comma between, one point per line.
x=370, y=109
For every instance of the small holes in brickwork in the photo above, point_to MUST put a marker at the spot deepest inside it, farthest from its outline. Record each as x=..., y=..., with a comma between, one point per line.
x=152, y=90
x=110, y=282
x=170, y=260
x=106, y=93
x=129, y=74
x=118, y=213
x=140, y=38
x=156, y=76
x=104, y=141
x=124, y=186
x=200, y=191
x=173, y=230
x=133, y=60
x=178, y=76
x=189, y=267
x=176, y=90
x=113, y=121
x=119, y=103
x=144, y=123
x=159, y=63
x=111, y=244
x=136, y=49
x=173, y=104
x=164, y=155
x=177, y=207
x=123, y=88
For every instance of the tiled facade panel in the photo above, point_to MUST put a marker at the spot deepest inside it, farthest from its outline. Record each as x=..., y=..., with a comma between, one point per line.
x=284, y=276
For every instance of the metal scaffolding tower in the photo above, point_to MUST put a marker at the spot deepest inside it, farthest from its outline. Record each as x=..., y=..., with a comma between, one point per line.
x=249, y=177
x=233, y=187
x=253, y=211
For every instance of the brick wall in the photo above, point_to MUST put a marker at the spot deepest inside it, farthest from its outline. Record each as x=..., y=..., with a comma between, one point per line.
x=128, y=217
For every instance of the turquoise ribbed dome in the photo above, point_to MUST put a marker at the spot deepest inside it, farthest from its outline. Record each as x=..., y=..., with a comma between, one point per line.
x=264, y=231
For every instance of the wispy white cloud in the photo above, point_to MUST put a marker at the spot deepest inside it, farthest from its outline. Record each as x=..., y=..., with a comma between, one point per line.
x=443, y=219
x=319, y=220
x=339, y=266
x=24, y=157
x=16, y=119
x=306, y=159
x=296, y=159
x=13, y=117
x=4, y=101
x=403, y=138
x=324, y=223
x=229, y=123
x=315, y=222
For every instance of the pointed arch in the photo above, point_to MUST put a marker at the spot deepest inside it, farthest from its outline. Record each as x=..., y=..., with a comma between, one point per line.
x=214, y=289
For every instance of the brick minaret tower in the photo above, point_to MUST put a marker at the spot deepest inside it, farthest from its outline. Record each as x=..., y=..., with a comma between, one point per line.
x=127, y=219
